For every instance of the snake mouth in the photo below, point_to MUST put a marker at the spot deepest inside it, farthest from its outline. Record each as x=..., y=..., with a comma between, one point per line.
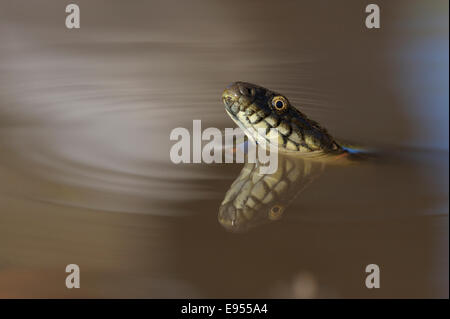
x=231, y=97
x=240, y=99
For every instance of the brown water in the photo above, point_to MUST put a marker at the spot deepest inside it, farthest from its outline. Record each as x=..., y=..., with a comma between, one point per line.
x=86, y=178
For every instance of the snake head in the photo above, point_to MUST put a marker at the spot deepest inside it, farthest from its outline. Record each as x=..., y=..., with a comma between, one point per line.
x=256, y=109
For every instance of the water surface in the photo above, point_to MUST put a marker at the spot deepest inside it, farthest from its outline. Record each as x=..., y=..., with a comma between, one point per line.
x=86, y=178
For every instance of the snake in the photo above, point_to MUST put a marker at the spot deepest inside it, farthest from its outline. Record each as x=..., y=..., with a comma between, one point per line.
x=303, y=145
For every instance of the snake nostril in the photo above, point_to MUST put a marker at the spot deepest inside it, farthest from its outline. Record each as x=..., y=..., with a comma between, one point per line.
x=228, y=101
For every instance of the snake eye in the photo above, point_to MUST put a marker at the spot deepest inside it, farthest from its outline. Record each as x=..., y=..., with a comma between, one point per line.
x=280, y=104
x=276, y=212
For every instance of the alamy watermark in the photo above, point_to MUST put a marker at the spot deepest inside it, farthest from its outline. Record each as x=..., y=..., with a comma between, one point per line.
x=373, y=18
x=73, y=279
x=220, y=149
x=73, y=18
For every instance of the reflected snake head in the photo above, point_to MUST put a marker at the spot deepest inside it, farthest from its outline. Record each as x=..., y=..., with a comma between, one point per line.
x=255, y=198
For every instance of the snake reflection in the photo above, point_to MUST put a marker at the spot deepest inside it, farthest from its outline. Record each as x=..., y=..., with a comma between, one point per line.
x=304, y=148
